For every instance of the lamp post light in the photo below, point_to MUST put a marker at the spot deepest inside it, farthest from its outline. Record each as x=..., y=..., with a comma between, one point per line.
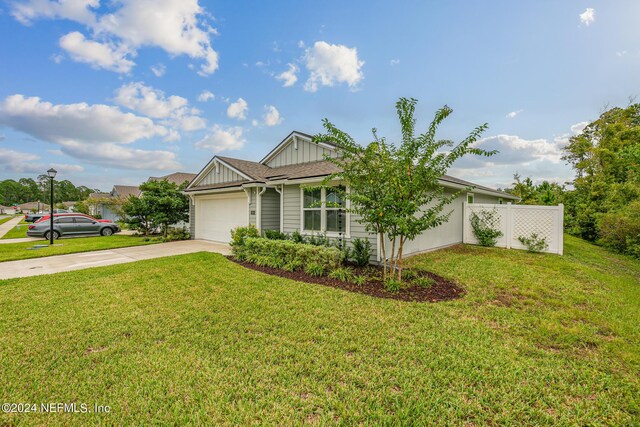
x=52, y=174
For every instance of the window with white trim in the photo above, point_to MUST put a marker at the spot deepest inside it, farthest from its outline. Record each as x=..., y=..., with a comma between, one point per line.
x=324, y=210
x=470, y=198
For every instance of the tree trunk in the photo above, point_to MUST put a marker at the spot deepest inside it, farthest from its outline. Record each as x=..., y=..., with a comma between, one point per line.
x=402, y=240
x=392, y=257
x=384, y=256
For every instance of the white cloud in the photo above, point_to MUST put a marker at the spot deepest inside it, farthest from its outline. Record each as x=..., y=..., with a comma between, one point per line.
x=178, y=27
x=289, y=76
x=513, y=114
x=174, y=110
x=588, y=17
x=55, y=152
x=238, y=109
x=271, y=116
x=254, y=122
x=21, y=162
x=205, y=96
x=329, y=64
x=394, y=61
x=98, y=55
x=222, y=139
x=159, y=70
x=94, y=133
x=578, y=127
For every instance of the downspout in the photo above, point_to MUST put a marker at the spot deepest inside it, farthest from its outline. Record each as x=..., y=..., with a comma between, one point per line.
x=248, y=192
x=281, y=193
x=259, y=209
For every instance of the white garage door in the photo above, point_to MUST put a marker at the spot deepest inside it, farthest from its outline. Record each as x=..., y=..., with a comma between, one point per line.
x=217, y=215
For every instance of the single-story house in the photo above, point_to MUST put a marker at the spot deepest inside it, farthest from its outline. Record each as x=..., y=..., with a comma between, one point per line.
x=107, y=205
x=8, y=210
x=231, y=192
x=178, y=178
x=30, y=207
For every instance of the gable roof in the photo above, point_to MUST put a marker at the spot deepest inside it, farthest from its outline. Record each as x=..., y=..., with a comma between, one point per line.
x=287, y=140
x=125, y=191
x=177, y=177
x=254, y=170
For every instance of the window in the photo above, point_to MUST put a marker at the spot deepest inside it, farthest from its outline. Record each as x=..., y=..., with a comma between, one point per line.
x=83, y=220
x=323, y=210
x=312, y=209
x=469, y=198
x=65, y=220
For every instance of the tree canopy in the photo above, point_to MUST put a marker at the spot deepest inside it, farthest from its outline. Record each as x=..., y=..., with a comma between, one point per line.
x=29, y=190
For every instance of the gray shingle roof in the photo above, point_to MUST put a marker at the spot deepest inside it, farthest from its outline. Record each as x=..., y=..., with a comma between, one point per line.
x=177, y=178
x=125, y=191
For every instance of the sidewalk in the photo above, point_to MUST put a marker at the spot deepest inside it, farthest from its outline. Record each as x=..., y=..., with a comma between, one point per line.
x=4, y=228
x=79, y=261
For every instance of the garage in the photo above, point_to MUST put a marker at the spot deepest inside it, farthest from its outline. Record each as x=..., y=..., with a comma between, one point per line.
x=217, y=214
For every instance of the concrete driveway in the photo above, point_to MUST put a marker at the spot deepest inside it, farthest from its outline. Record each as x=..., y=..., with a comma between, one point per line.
x=79, y=261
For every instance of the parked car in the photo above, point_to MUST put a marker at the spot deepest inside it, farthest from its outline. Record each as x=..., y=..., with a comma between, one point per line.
x=33, y=217
x=72, y=225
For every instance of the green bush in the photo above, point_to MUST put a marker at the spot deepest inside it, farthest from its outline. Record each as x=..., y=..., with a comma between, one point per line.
x=239, y=234
x=314, y=269
x=424, y=282
x=274, y=235
x=341, y=273
x=296, y=237
x=286, y=252
x=361, y=251
x=292, y=265
x=620, y=231
x=534, y=243
x=484, y=225
x=359, y=280
x=177, y=234
x=392, y=285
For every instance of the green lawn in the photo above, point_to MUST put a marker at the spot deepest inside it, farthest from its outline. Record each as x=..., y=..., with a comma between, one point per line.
x=16, y=251
x=3, y=220
x=197, y=339
x=17, y=232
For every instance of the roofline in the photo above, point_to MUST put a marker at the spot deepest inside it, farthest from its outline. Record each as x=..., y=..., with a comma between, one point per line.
x=282, y=143
x=207, y=168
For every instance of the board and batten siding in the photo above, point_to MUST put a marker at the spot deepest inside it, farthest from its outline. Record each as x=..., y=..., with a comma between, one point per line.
x=306, y=152
x=270, y=207
x=292, y=220
x=220, y=176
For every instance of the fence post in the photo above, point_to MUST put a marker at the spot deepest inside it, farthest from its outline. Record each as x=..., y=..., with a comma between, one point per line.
x=560, y=229
x=508, y=226
x=464, y=222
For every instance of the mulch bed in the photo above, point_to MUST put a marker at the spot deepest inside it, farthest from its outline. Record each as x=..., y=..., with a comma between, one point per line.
x=441, y=290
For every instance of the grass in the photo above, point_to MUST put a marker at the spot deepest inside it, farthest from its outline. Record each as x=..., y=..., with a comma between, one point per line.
x=17, y=232
x=196, y=339
x=3, y=220
x=17, y=251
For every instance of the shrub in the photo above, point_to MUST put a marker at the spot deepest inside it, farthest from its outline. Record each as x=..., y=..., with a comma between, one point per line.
x=274, y=235
x=361, y=251
x=178, y=234
x=319, y=240
x=620, y=231
x=392, y=285
x=359, y=280
x=296, y=237
x=534, y=243
x=314, y=269
x=484, y=225
x=286, y=252
x=409, y=274
x=344, y=249
x=424, y=281
x=292, y=265
x=341, y=273
x=239, y=234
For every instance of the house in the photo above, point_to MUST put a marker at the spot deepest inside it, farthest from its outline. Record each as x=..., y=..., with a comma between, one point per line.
x=8, y=210
x=178, y=178
x=231, y=192
x=30, y=207
x=107, y=205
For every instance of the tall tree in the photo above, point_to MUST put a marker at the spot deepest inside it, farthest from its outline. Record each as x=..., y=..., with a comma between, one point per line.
x=394, y=189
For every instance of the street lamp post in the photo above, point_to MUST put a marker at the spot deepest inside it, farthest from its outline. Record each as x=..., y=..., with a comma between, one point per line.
x=52, y=174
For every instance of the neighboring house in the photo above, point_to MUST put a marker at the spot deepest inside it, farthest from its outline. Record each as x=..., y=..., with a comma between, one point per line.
x=178, y=178
x=230, y=192
x=107, y=205
x=70, y=206
x=30, y=207
x=8, y=210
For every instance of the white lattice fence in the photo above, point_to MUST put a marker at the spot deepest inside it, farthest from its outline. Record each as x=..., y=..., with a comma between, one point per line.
x=520, y=220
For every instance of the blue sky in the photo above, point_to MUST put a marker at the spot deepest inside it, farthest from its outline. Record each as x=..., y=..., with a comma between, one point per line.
x=112, y=92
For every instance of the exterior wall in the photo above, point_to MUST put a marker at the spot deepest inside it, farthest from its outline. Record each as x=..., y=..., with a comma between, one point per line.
x=306, y=152
x=225, y=175
x=108, y=213
x=292, y=219
x=270, y=207
x=252, y=206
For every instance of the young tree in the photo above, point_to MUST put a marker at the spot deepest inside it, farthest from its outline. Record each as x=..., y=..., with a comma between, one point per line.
x=161, y=204
x=395, y=189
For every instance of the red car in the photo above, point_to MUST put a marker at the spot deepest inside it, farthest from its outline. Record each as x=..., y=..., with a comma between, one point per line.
x=55, y=215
